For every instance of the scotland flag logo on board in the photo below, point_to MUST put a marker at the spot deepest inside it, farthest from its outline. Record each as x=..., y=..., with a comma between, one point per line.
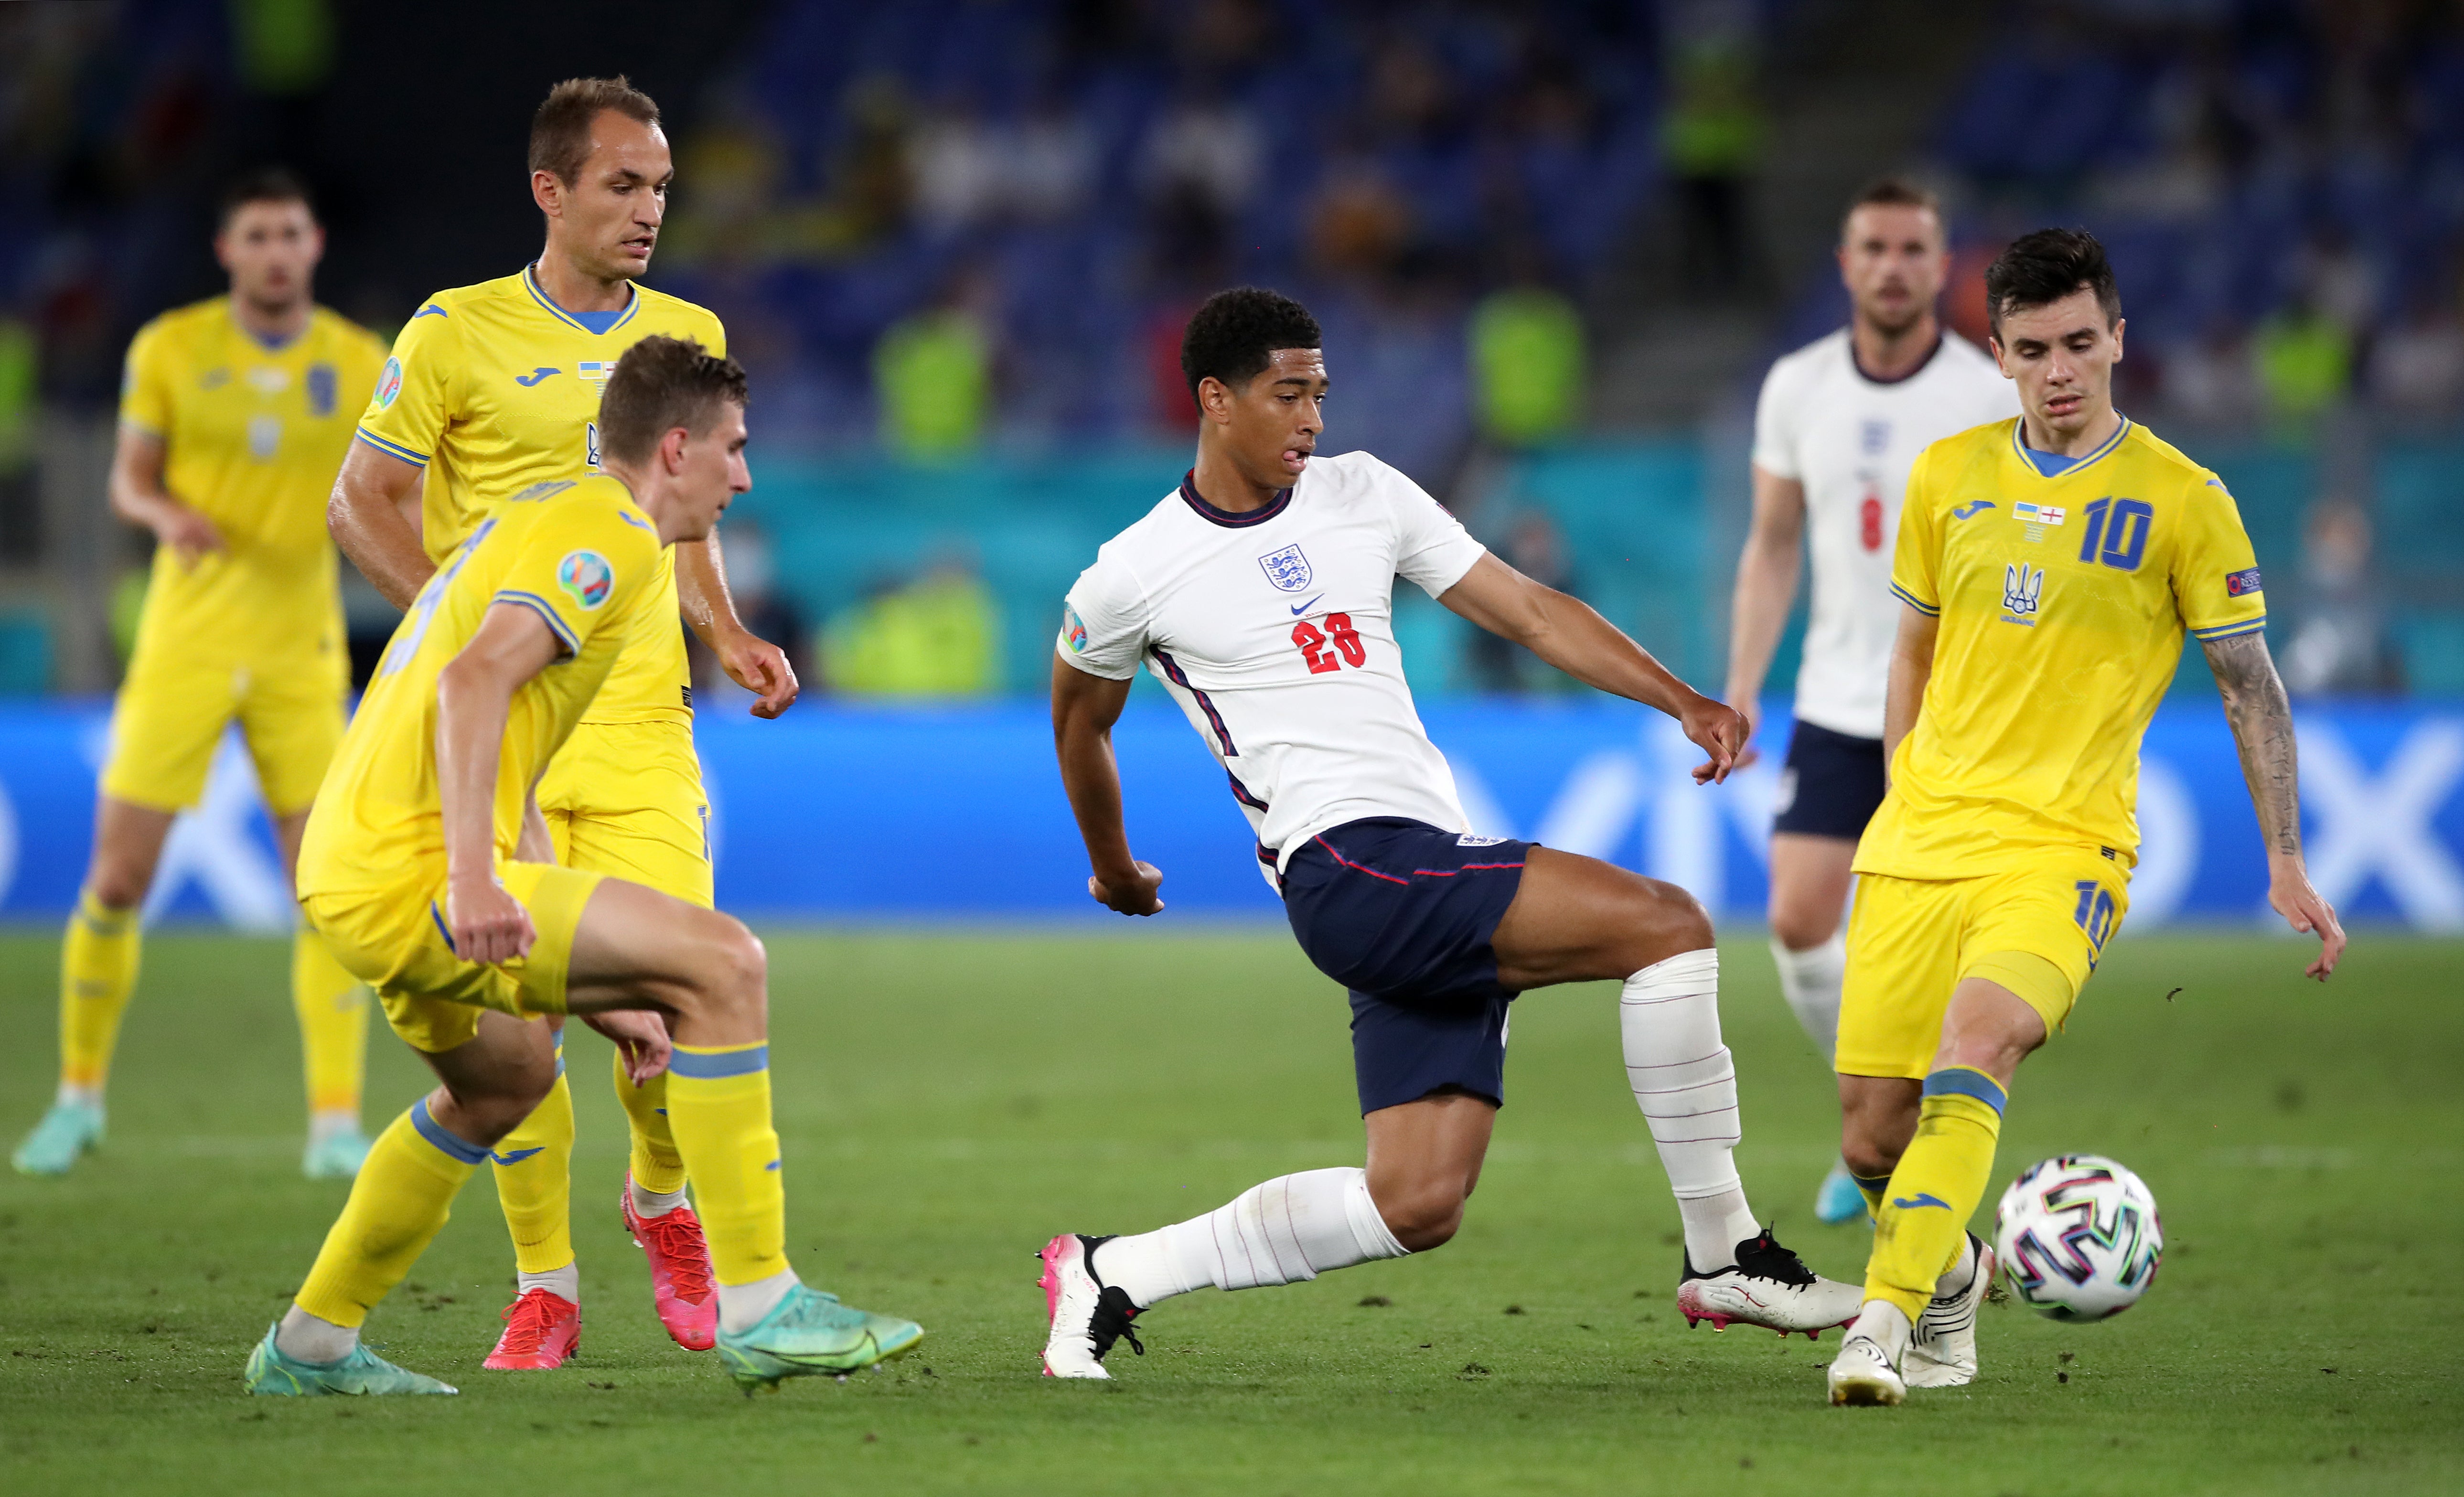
x=1287, y=569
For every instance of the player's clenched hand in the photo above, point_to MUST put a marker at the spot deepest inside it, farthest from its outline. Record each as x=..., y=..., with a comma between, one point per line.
x=1752, y=712
x=2289, y=891
x=641, y=1038
x=188, y=534
x=760, y=668
x=1131, y=894
x=488, y=925
x=1718, y=730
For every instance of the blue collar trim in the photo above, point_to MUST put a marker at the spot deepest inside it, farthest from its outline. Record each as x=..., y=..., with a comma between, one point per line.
x=592, y=322
x=2052, y=465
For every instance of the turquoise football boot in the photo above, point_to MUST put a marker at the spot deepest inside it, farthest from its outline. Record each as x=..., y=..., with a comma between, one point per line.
x=336, y=1157
x=808, y=1333
x=68, y=1129
x=1839, y=1201
x=361, y=1373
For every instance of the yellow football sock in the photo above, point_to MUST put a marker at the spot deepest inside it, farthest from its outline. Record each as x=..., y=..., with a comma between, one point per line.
x=535, y=1179
x=658, y=1167
x=1873, y=1186
x=719, y=1103
x=402, y=1197
x=333, y=1024
x=98, y=971
x=1922, y=1227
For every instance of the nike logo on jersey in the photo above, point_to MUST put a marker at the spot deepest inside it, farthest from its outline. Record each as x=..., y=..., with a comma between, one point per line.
x=1300, y=608
x=1923, y=1199
x=515, y=1158
x=526, y=380
x=1972, y=507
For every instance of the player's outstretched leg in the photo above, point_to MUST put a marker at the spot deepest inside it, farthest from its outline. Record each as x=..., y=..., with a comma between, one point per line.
x=400, y=1199
x=1423, y=1159
x=1577, y=918
x=1938, y=1179
x=660, y=1220
x=636, y=948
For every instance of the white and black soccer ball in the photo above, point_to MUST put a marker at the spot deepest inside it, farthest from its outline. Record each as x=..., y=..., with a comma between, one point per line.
x=2078, y=1237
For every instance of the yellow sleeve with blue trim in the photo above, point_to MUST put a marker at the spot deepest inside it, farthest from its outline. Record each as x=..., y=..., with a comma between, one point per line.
x=1916, y=560
x=583, y=568
x=146, y=382
x=2215, y=575
x=415, y=393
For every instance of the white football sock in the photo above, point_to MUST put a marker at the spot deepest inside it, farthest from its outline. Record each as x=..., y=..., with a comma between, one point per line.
x=332, y=1123
x=73, y=1092
x=1888, y=1325
x=1286, y=1230
x=1961, y=1271
x=1686, y=1086
x=304, y=1337
x=564, y=1283
x=742, y=1306
x=653, y=1204
x=1810, y=980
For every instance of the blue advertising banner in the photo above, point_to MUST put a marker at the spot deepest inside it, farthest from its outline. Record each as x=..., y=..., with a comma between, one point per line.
x=839, y=813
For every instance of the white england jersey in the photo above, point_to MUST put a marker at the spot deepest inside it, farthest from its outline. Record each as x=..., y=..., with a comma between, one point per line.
x=1275, y=631
x=1850, y=440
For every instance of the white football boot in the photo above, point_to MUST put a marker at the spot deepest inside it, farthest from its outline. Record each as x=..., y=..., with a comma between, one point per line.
x=1769, y=1286
x=1867, y=1371
x=1088, y=1314
x=1942, y=1352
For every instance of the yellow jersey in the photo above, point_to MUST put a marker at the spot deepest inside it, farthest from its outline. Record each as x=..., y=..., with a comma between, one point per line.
x=2063, y=600
x=494, y=388
x=584, y=557
x=252, y=434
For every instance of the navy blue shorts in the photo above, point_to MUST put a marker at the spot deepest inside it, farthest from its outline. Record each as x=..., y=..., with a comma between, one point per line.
x=1831, y=785
x=1401, y=914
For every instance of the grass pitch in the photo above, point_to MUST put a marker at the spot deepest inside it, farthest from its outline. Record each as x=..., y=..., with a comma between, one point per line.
x=948, y=1101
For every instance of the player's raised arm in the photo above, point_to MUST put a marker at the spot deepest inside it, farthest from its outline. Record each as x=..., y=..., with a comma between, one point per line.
x=1765, y=588
x=367, y=519
x=1084, y=708
x=709, y=609
x=1571, y=635
x=2262, y=730
x=474, y=694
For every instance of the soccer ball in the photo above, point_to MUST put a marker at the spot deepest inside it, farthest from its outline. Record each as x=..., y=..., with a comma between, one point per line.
x=2078, y=1237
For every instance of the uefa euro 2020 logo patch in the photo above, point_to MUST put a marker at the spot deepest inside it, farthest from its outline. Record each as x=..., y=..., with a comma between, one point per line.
x=1287, y=569
x=585, y=577
x=388, y=384
x=1074, y=629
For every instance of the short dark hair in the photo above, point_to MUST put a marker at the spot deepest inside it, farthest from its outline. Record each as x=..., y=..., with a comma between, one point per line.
x=2041, y=268
x=662, y=384
x=264, y=185
x=1235, y=335
x=561, y=129
x=1892, y=191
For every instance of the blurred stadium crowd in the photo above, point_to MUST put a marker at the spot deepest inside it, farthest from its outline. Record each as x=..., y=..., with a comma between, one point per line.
x=955, y=240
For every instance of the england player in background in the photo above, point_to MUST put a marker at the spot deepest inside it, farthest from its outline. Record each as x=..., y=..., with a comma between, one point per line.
x=1837, y=425
x=1260, y=593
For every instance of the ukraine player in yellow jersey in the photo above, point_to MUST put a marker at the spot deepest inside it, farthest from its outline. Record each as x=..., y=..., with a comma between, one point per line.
x=429, y=864
x=493, y=389
x=2046, y=569
x=233, y=415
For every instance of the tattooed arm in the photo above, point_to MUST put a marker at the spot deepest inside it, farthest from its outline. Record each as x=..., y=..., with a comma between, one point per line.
x=2262, y=730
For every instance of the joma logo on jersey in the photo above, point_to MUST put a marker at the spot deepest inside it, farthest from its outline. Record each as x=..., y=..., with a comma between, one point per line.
x=2023, y=590
x=1287, y=569
x=585, y=577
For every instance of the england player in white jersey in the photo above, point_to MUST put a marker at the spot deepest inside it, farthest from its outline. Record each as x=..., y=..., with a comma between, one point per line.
x=1837, y=426
x=1261, y=593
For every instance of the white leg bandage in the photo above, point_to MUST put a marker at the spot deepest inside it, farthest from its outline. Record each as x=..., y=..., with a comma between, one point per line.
x=1285, y=1231
x=1811, y=979
x=1687, y=1085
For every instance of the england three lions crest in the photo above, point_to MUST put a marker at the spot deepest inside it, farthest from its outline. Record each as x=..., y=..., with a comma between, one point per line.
x=1287, y=569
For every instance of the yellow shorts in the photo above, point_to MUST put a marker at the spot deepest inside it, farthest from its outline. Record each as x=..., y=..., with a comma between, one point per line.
x=394, y=940
x=2038, y=931
x=170, y=716
x=625, y=799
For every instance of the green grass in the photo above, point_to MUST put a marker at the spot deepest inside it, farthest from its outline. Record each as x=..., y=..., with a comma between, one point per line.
x=950, y=1100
